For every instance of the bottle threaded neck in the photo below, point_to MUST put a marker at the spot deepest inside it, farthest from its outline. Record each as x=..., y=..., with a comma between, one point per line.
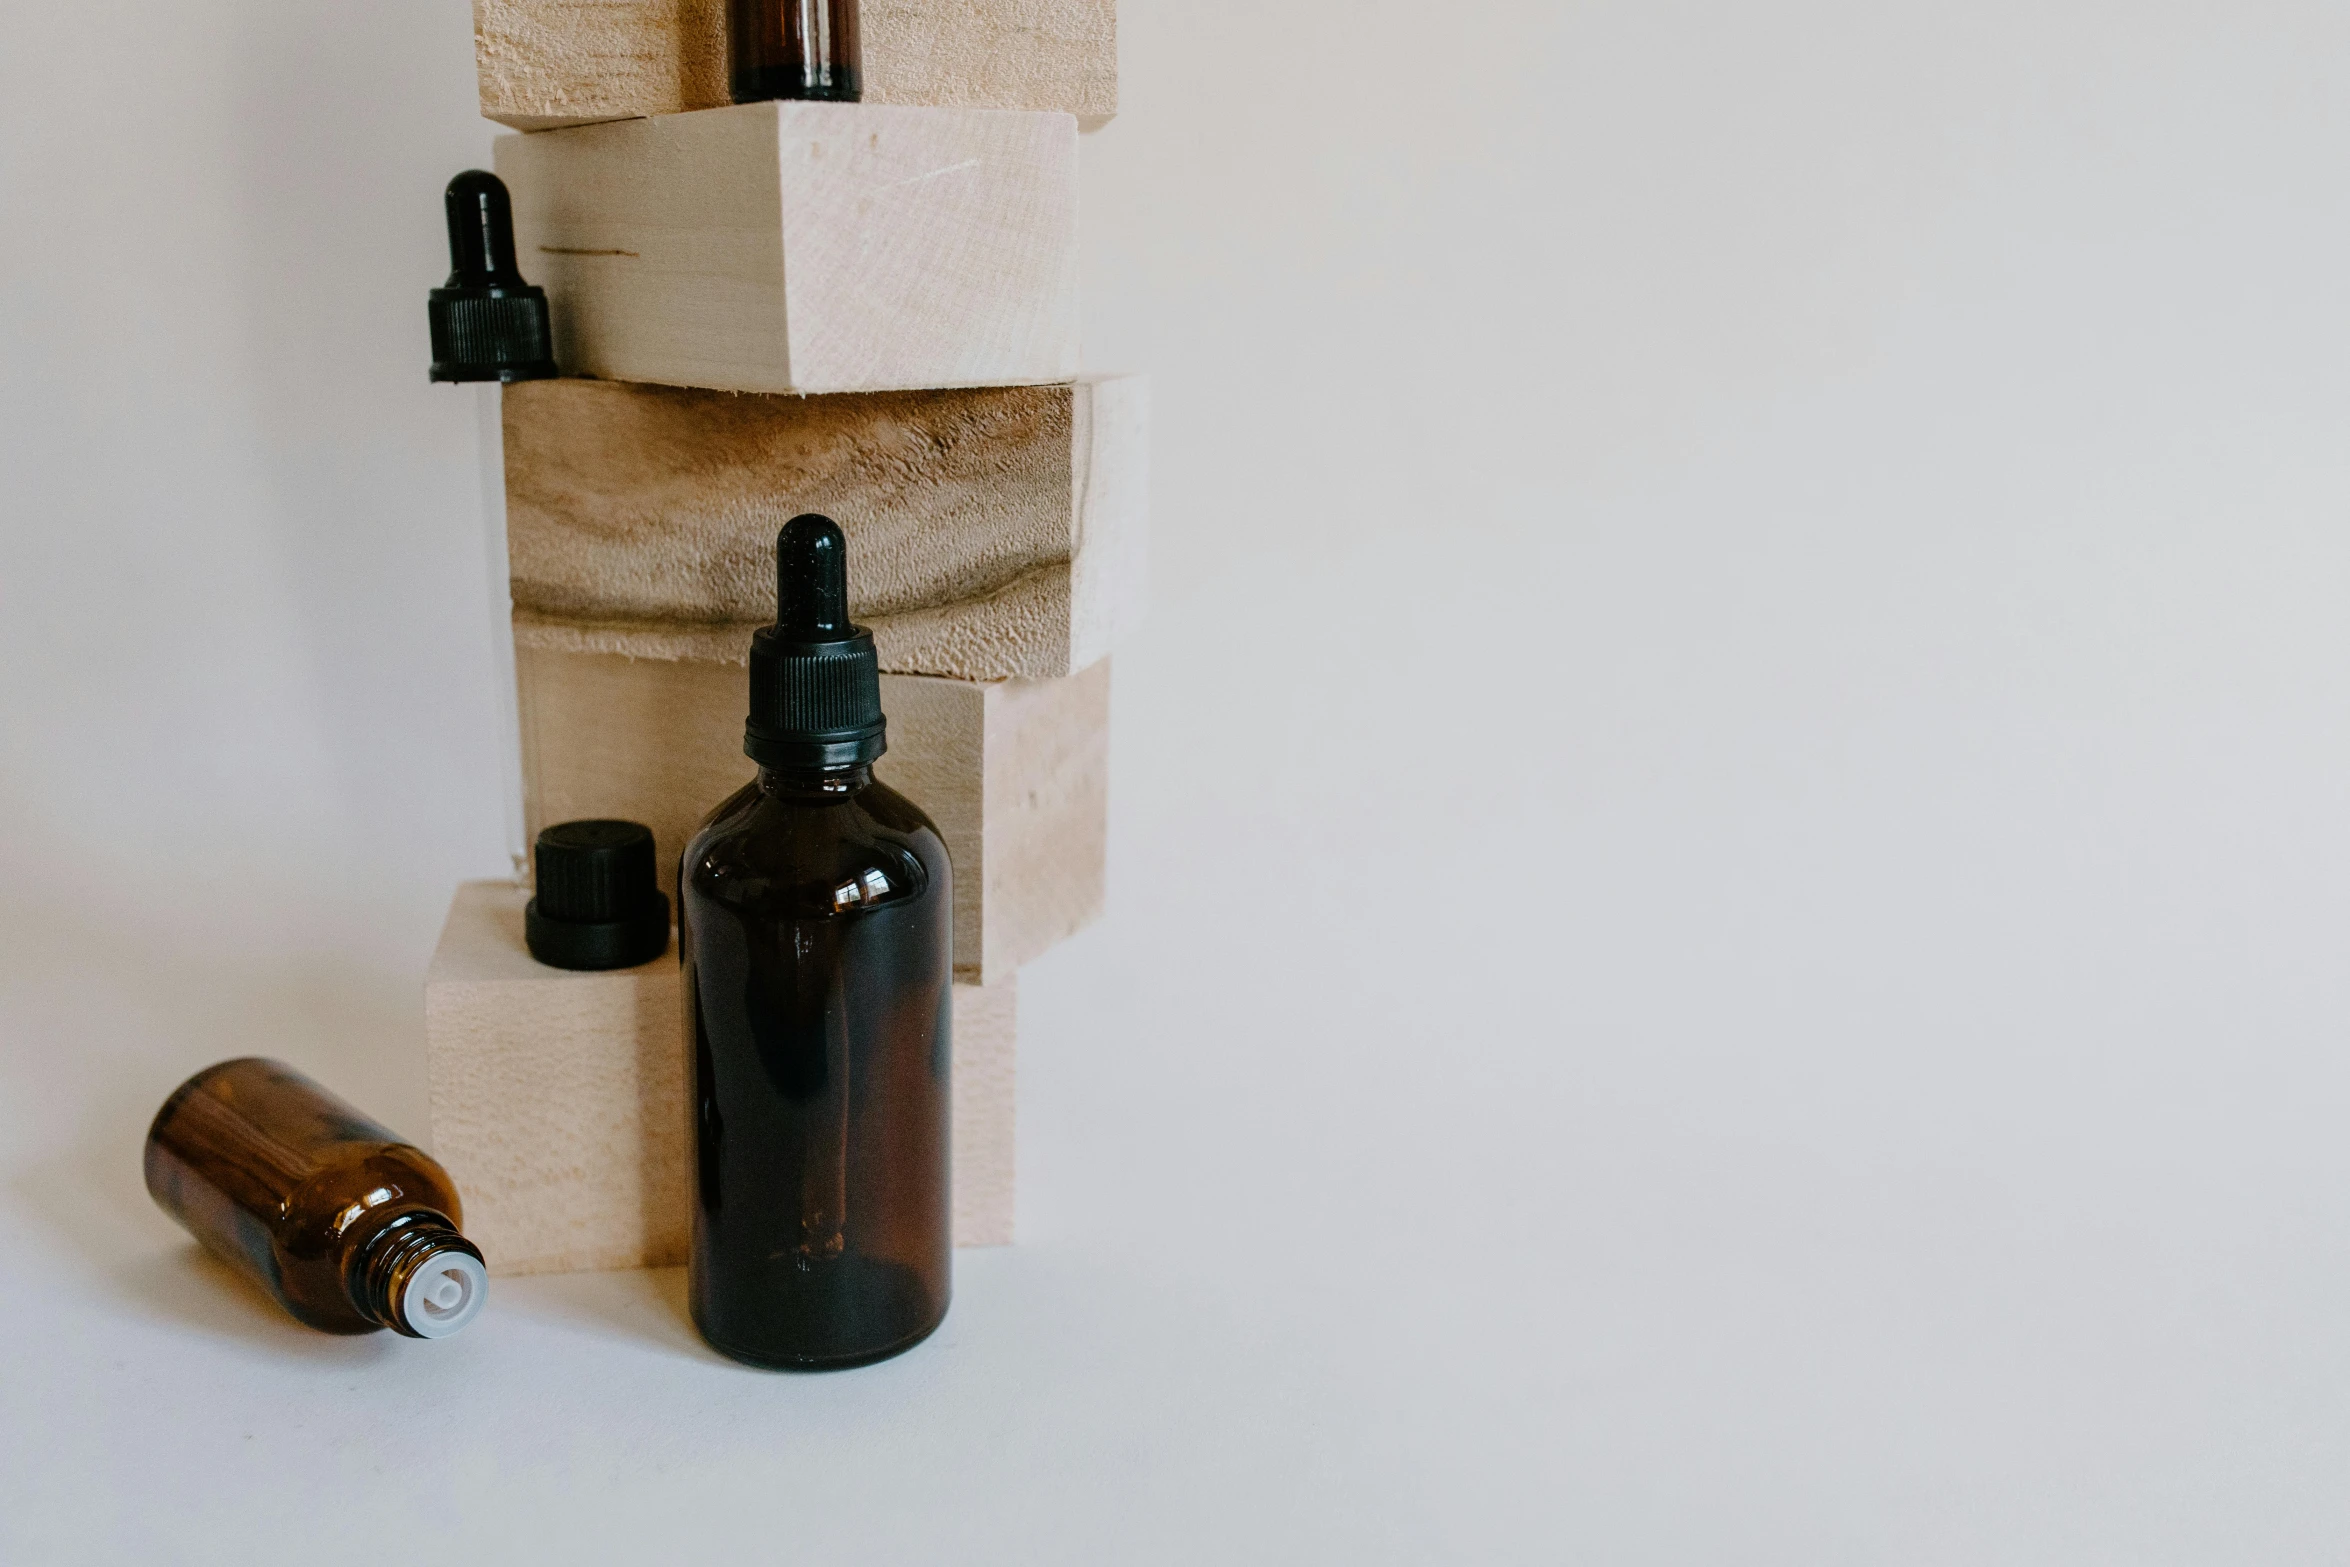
x=419, y=1277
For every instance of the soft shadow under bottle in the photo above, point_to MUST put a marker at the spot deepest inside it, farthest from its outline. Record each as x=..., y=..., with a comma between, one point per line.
x=814, y=926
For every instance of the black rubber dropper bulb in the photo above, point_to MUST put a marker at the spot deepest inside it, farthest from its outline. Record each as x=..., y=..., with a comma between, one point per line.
x=481, y=232
x=812, y=580
x=815, y=677
x=487, y=323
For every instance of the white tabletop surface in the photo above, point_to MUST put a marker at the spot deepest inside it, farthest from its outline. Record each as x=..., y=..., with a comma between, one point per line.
x=1728, y=935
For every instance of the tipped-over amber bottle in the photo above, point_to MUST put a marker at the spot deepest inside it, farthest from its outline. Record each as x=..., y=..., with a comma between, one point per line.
x=793, y=49
x=815, y=929
x=350, y=1228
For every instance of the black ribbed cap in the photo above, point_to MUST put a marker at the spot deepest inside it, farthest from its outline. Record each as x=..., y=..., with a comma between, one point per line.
x=487, y=324
x=599, y=903
x=815, y=678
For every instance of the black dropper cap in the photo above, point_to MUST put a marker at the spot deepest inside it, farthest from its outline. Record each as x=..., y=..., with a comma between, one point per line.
x=487, y=324
x=598, y=906
x=815, y=679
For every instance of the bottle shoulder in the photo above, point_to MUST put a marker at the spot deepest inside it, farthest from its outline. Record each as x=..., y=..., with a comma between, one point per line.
x=895, y=811
x=356, y=1183
x=752, y=815
x=814, y=853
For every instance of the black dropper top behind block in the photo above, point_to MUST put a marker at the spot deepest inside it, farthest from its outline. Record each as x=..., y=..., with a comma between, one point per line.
x=815, y=678
x=600, y=904
x=487, y=324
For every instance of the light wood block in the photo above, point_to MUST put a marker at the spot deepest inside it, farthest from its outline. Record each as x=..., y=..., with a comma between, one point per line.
x=1014, y=772
x=560, y=1100
x=548, y=63
x=993, y=532
x=986, y=1067
x=806, y=247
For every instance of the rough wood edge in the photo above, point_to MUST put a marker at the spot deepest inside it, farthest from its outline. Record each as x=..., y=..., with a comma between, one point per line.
x=959, y=641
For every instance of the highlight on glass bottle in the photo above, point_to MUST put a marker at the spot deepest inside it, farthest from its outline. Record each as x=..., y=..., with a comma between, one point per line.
x=344, y=1224
x=816, y=936
x=793, y=49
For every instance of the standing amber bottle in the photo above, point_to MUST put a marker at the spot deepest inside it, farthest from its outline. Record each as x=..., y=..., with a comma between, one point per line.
x=350, y=1228
x=814, y=925
x=793, y=49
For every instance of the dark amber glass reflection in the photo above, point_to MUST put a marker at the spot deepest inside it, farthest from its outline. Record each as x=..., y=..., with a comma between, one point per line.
x=320, y=1206
x=820, y=1021
x=793, y=49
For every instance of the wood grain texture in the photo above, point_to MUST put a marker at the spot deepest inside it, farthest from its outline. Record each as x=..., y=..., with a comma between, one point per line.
x=993, y=532
x=560, y=1100
x=550, y=63
x=1015, y=773
x=806, y=247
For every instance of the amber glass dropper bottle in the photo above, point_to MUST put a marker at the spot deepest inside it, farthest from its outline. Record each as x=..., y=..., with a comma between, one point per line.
x=793, y=49
x=348, y=1227
x=815, y=930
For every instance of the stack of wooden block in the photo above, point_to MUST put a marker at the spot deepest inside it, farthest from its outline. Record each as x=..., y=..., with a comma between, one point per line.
x=867, y=310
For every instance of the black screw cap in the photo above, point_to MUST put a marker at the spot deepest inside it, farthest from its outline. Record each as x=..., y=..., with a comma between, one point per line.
x=815, y=678
x=487, y=324
x=599, y=904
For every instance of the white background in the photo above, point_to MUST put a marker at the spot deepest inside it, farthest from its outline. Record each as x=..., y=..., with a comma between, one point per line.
x=1730, y=869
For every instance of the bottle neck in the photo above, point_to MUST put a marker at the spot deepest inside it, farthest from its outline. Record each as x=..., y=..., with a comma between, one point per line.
x=815, y=783
x=418, y=1276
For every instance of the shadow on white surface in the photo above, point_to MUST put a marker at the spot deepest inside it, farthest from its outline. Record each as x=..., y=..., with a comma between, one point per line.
x=91, y=1203
x=190, y=1288
x=641, y=1306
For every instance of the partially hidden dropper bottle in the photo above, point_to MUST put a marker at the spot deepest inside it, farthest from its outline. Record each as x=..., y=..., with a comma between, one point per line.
x=487, y=323
x=348, y=1227
x=793, y=49
x=815, y=930
x=491, y=327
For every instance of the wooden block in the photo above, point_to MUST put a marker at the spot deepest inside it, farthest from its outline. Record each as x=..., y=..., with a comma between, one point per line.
x=1014, y=772
x=559, y=1100
x=993, y=532
x=986, y=1062
x=548, y=63
x=806, y=247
